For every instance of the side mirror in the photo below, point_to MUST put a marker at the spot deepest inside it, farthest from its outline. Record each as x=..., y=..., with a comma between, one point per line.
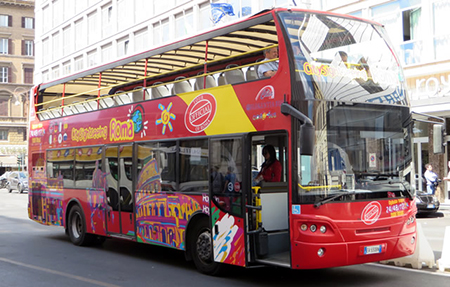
x=307, y=137
x=438, y=138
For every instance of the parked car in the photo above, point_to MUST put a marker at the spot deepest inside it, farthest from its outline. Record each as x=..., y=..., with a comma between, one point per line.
x=426, y=203
x=4, y=179
x=17, y=180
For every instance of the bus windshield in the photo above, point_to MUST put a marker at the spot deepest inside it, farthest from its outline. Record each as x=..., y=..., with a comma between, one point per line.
x=364, y=151
x=343, y=59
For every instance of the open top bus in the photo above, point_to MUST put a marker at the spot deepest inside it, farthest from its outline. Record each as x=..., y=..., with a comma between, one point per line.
x=132, y=149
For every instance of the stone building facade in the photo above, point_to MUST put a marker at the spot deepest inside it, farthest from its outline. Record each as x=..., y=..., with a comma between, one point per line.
x=16, y=80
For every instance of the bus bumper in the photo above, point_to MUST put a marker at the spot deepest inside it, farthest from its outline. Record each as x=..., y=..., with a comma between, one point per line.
x=306, y=255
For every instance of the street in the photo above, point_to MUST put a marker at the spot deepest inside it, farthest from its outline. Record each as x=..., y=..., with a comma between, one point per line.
x=35, y=255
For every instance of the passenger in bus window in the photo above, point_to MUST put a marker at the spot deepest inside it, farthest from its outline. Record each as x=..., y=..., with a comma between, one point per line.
x=344, y=58
x=217, y=179
x=271, y=168
x=269, y=69
x=230, y=180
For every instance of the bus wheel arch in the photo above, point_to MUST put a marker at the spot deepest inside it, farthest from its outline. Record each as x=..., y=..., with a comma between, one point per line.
x=76, y=226
x=199, y=245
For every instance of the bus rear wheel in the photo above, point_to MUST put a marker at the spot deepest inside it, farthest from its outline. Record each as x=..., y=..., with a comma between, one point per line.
x=76, y=227
x=202, y=250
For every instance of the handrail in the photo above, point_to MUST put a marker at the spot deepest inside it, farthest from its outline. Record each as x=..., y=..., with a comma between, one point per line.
x=308, y=188
x=170, y=72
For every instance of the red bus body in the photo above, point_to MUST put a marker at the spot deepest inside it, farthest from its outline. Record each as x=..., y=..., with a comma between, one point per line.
x=318, y=233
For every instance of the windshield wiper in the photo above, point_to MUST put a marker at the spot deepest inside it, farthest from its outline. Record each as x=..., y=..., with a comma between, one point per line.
x=405, y=191
x=331, y=198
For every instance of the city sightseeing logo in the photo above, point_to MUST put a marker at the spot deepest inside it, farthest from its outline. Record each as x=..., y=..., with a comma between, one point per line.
x=371, y=213
x=200, y=113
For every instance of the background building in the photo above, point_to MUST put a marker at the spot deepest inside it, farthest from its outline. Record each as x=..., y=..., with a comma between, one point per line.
x=16, y=79
x=75, y=35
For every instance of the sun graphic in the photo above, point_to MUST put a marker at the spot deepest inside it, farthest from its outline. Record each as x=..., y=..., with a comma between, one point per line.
x=166, y=115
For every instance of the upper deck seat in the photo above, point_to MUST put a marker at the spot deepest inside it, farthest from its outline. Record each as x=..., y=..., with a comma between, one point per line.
x=122, y=98
x=78, y=107
x=139, y=94
x=106, y=102
x=55, y=112
x=181, y=87
x=159, y=91
x=234, y=76
x=201, y=81
x=67, y=111
x=251, y=74
x=43, y=114
x=221, y=80
x=91, y=105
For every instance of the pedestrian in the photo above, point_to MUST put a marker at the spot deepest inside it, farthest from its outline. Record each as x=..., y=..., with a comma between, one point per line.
x=432, y=179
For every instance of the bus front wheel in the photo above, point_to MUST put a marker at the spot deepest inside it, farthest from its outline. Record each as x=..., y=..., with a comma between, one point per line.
x=77, y=227
x=202, y=250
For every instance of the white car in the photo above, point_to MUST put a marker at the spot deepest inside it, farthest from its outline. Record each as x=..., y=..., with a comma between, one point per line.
x=17, y=180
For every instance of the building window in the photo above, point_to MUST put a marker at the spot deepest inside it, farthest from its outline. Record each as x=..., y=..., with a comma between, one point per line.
x=140, y=40
x=122, y=47
x=27, y=48
x=78, y=63
x=184, y=23
x=3, y=135
x=66, y=68
x=4, y=45
x=205, y=16
x=92, y=28
x=57, y=10
x=67, y=41
x=55, y=72
x=27, y=23
x=4, y=73
x=28, y=75
x=107, y=53
x=3, y=107
x=92, y=58
x=106, y=20
x=56, y=44
x=125, y=8
x=80, y=35
x=5, y=21
x=45, y=51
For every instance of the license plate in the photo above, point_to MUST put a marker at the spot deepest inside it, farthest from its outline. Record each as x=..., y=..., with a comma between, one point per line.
x=430, y=205
x=375, y=249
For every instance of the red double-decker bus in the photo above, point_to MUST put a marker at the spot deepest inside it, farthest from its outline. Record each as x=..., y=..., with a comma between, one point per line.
x=168, y=147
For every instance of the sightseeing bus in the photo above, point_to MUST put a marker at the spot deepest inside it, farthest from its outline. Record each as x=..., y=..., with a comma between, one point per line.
x=162, y=147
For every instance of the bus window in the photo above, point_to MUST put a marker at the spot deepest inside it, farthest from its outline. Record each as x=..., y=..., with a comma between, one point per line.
x=156, y=166
x=60, y=164
x=85, y=163
x=226, y=167
x=194, y=165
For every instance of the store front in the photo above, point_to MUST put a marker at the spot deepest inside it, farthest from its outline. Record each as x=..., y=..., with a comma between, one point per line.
x=430, y=95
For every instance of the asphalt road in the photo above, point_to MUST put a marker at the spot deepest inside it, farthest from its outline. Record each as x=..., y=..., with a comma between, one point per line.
x=35, y=255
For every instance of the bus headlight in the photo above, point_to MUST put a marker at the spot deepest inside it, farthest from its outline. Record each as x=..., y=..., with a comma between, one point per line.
x=313, y=228
x=303, y=227
x=323, y=229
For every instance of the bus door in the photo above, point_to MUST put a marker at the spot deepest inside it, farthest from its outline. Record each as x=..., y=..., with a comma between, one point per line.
x=268, y=201
x=226, y=191
x=118, y=166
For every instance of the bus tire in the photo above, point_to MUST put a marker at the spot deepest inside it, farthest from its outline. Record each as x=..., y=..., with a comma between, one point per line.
x=202, y=250
x=77, y=227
